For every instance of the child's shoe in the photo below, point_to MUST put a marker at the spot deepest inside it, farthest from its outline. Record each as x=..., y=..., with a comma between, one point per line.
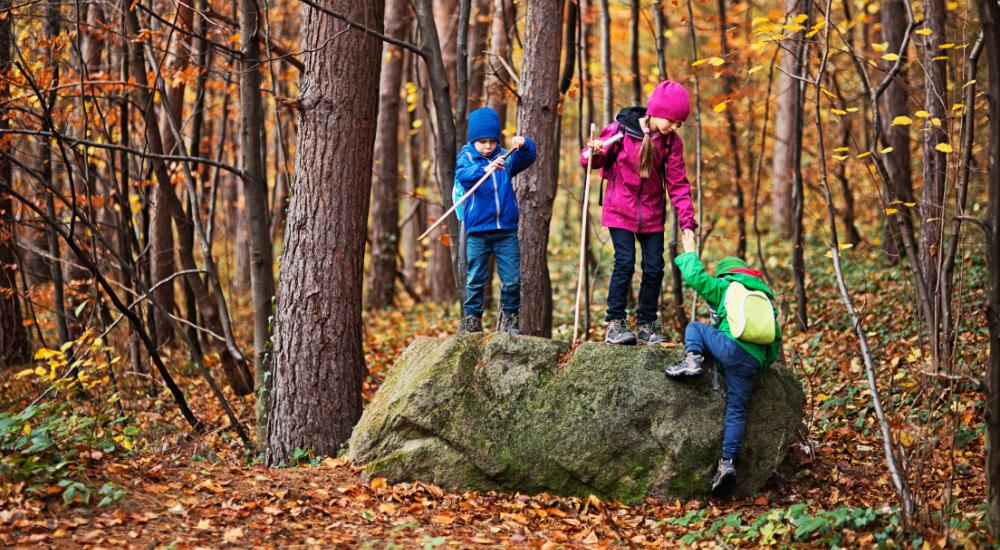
x=510, y=323
x=650, y=333
x=469, y=325
x=618, y=333
x=689, y=366
x=722, y=483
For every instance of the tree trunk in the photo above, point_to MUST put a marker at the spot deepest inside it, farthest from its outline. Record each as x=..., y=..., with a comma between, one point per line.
x=385, y=188
x=444, y=147
x=660, y=19
x=935, y=164
x=989, y=13
x=609, y=85
x=728, y=86
x=784, y=134
x=446, y=21
x=798, y=187
x=634, y=54
x=14, y=344
x=162, y=248
x=236, y=371
x=318, y=360
x=53, y=30
x=893, y=104
x=257, y=212
x=500, y=25
x=536, y=188
x=415, y=219
x=478, y=38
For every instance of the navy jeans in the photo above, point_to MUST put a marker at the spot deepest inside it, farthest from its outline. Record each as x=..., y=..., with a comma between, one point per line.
x=739, y=367
x=621, y=275
x=503, y=245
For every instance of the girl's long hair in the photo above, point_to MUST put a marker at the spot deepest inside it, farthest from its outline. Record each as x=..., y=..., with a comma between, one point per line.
x=646, y=155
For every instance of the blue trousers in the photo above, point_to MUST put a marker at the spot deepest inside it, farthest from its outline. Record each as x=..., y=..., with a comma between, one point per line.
x=739, y=367
x=621, y=275
x=503, y=245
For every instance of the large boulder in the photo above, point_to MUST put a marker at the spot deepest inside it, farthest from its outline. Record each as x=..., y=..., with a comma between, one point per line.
x=496, y=412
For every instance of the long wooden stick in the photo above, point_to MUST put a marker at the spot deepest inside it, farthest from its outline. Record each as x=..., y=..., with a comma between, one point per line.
x=465, y=196
x=583, y=238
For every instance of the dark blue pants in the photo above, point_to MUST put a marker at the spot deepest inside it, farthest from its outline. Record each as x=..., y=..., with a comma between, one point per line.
x=739, y=367
x=621, y=275
x=503, y=245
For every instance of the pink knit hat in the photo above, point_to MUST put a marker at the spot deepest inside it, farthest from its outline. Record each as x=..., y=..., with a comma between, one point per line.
x=670, y=101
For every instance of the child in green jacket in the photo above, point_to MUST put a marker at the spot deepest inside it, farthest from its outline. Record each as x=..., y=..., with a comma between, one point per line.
x=740, y=360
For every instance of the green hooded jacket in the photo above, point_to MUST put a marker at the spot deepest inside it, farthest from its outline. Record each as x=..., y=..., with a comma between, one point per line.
x=713, y=290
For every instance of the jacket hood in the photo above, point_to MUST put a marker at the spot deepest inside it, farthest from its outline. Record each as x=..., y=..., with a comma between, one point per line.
x=749, y=281
x=629, y=119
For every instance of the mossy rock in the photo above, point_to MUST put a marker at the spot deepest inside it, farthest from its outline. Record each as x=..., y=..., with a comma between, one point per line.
x=474, y=412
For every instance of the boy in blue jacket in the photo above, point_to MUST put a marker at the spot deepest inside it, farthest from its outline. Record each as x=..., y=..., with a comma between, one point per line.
x=490, y=218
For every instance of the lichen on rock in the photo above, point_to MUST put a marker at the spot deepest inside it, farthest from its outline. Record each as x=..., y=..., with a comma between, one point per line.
x=475, y=412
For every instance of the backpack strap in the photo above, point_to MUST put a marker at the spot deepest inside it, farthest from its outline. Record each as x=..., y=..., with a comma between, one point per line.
x=609, y=159
x=663, y=172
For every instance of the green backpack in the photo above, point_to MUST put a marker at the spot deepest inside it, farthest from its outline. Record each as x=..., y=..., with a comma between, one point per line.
x=750, y=314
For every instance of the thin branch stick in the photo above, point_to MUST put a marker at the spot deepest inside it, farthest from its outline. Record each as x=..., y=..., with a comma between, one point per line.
x=898, y=476
x=74, y=142
x=354, y=24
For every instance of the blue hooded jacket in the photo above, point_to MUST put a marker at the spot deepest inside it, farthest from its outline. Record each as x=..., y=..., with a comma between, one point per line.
x=494, y=205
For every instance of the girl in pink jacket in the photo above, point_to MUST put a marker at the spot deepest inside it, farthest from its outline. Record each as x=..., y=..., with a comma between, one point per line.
x=641, y=169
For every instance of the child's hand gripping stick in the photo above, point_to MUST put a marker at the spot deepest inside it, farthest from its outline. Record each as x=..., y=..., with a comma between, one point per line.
x=605, y=144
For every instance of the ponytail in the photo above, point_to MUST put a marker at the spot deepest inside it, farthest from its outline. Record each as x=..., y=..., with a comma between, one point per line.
x=646, y=156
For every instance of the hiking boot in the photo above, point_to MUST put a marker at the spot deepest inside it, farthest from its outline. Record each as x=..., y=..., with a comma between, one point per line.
x=649, y=333
x=469, y=325
x=689, y=366
x=510, y=323
x=618, y=333
x=722, y=483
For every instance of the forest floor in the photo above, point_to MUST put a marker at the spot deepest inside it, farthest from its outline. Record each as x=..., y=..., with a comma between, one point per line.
x=165, y=489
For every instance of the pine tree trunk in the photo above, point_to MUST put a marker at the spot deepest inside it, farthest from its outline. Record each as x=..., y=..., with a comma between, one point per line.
x=782, y=168
x=634, y=53
x=385, y=188
x=500, y=25
x=258, y=214
x=479, y=33
x=989, y=14
x=416, y=215
x=728, y=87
x=14, y=344
x=609, y=86
x=538, y=115
x=893, y=104
x=318, y=361
x=162, y=249
x=935, y=164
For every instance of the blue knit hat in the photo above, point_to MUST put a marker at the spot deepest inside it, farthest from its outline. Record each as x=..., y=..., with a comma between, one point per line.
x=484, y=123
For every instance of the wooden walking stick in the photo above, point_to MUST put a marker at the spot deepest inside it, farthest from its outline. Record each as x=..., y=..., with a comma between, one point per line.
x=583, y=237
x=465, y=196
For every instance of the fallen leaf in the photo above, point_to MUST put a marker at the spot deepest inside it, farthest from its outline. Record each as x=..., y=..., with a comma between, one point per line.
x=233, y=535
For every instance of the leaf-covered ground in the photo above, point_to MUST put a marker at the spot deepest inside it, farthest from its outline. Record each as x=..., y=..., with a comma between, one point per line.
x=174, y=491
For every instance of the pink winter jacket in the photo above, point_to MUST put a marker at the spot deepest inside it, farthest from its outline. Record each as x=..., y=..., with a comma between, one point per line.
x=638, y=204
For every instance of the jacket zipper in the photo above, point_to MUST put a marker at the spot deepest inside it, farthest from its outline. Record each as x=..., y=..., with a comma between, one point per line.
x=496, y=198
x=638, y=203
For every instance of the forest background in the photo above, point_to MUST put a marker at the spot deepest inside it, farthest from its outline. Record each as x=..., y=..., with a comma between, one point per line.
x=209, y=234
